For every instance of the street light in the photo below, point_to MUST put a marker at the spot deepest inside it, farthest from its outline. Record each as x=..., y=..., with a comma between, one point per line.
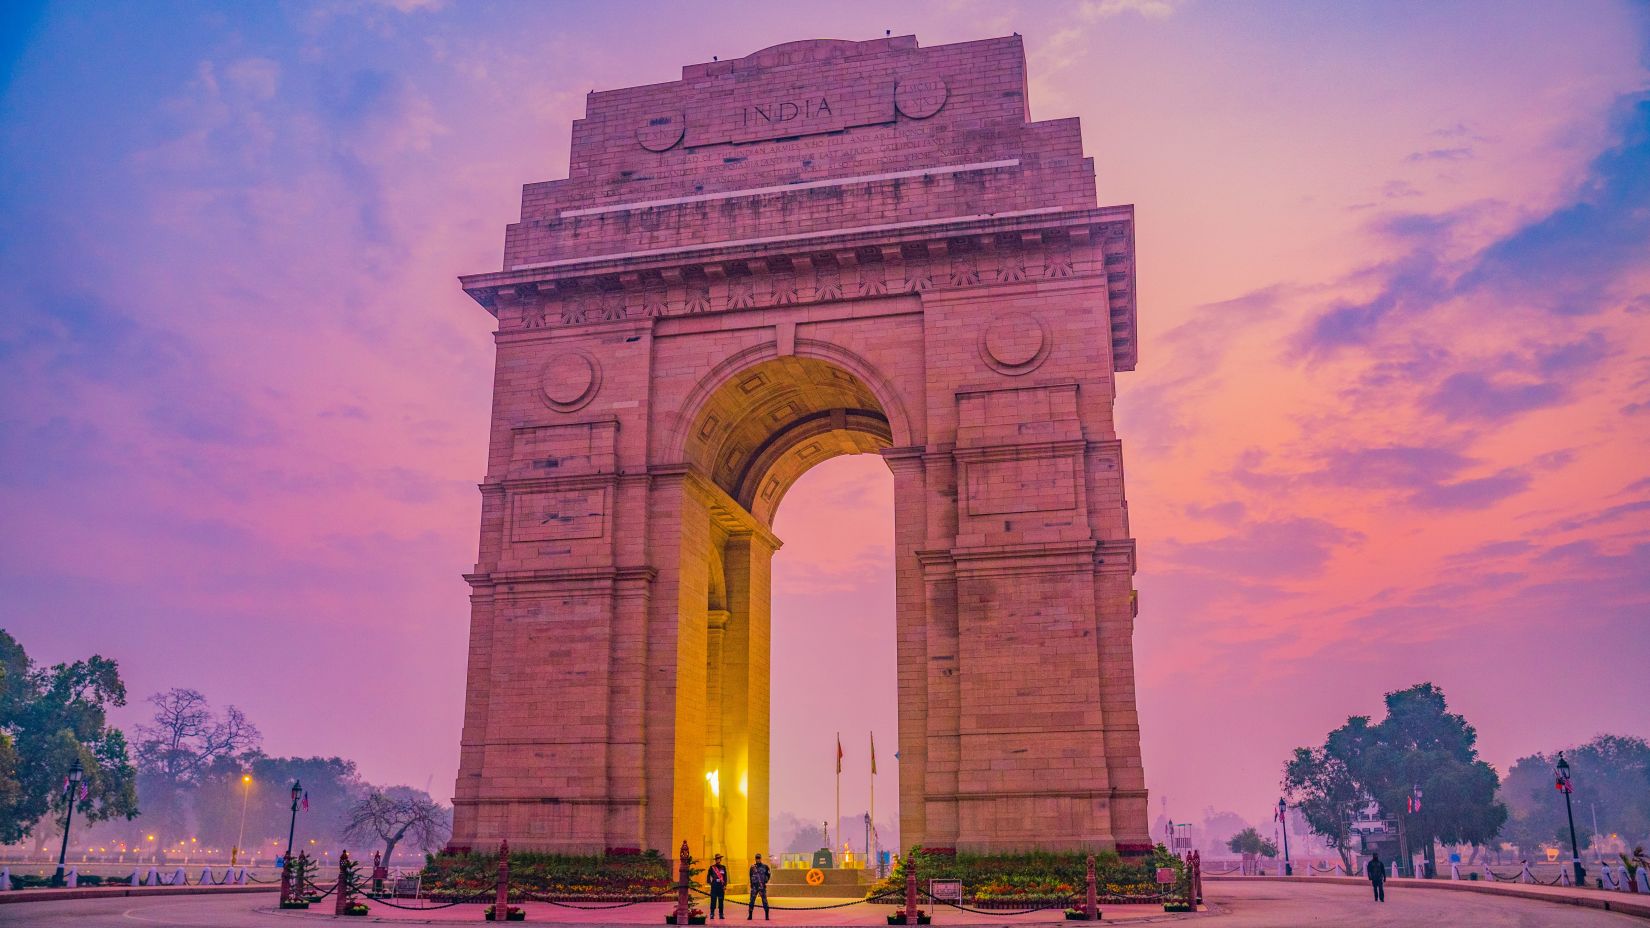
x=75, y=773
x=235, y=853
x=1288, y=868
x=297, y=791
x=1564, y=787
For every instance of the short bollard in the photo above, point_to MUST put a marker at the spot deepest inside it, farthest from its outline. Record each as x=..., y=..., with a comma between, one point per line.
x=286, y=879
x=501, y=896
x=684, y=907
x=1091, y=904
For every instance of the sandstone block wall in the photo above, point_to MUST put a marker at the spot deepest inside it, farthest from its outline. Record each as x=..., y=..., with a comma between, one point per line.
x=823, y=248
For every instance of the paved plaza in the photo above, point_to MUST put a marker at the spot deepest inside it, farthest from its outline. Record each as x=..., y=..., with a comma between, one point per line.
x=1260, y=904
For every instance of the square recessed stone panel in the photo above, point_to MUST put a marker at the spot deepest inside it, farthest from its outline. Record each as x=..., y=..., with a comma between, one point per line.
x=559, y=514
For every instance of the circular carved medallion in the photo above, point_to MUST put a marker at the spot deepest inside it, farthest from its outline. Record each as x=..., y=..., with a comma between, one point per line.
x=920, y=97
x=1015, y=344
x=815, y=877
x=662, y=132
x=569, y=380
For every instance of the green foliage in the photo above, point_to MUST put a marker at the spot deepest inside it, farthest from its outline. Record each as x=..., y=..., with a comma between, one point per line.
x=1031, y=876
x=1611, y=772
x=1322, y=788
x=1249, y=841
x=50, y=718
x=646, y=874
x=1419, y=743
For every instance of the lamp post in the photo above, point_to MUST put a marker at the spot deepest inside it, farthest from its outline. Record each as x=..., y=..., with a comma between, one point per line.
x=292, y=829
x=1283, y=821
x=75, y=773
x=240, y=837
x=1564, y=787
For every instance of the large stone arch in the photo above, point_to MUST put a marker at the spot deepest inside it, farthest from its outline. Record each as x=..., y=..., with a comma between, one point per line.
x=707, y=308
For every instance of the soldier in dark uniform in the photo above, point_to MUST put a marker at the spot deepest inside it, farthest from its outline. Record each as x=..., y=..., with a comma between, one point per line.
x=759, y=884
x=1377, y=877
x=717, y=877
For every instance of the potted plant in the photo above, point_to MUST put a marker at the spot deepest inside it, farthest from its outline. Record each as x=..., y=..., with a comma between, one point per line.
x=1181, y=906
x=1078, y=915
x=356, y=908
x=295, y=904
x=696, y=916
x=512, y=913
x=898, y=918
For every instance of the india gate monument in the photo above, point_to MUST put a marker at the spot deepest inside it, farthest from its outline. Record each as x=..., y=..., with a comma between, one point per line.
x=823, y=248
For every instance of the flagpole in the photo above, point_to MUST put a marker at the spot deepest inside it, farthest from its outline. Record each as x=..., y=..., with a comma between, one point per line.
x=870, y=858
x=838, y=822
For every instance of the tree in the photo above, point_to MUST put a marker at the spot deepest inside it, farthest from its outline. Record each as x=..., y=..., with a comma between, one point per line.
x=175, y=752
x=1420, y=745
x=1320, y=785
x=398, y=814
x=1249, y=843
x=50, y=718
x=1610, y=774
x=186, y=736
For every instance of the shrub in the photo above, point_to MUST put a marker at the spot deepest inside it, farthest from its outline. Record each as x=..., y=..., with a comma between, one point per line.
x=645, y=874
x=1033, y=876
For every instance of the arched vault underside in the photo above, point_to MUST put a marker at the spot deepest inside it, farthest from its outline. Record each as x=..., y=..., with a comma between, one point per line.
x=767, y=425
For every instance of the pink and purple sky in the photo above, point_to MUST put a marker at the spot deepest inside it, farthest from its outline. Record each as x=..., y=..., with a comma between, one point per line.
x=1391, y=421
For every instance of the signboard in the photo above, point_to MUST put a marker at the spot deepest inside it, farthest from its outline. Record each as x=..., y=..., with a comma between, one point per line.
x=1165, y=875
x=946, y=890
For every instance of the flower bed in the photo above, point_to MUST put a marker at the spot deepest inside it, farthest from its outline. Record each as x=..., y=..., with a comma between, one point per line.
x=1021, y=881
x=610, y=878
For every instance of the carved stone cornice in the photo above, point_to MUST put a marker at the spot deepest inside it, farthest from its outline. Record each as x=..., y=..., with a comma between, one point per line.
x=1093, y=247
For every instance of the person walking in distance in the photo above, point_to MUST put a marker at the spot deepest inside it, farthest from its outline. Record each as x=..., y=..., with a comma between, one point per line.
x=1377, y=876
x=759, y=884
x=718, y=879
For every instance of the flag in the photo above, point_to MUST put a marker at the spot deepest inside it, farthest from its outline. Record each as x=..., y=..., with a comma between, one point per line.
x=85, y=790
x=305, y=804
x=1563, y=784
x=839, y=752
x=873, y=753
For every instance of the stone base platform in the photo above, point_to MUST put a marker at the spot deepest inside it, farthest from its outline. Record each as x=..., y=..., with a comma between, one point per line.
x=792, y=883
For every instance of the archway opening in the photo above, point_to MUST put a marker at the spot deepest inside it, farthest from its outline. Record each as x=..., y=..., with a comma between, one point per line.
x=834, y=662
x=749, y=440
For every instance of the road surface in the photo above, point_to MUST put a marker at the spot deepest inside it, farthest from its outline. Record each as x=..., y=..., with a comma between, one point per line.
x=1235, y=905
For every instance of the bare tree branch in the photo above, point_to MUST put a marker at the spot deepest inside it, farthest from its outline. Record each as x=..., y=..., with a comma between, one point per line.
x=185, y=736
x=399, y=815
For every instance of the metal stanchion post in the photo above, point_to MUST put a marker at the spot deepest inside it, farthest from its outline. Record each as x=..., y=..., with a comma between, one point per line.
x=341, y=891
x=1091, y=905
x=501, y=896
x=683, y=906
x=910, y=889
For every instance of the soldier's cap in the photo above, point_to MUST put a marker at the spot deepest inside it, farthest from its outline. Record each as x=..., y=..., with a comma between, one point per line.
x=759, y=857
x=718, y=856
